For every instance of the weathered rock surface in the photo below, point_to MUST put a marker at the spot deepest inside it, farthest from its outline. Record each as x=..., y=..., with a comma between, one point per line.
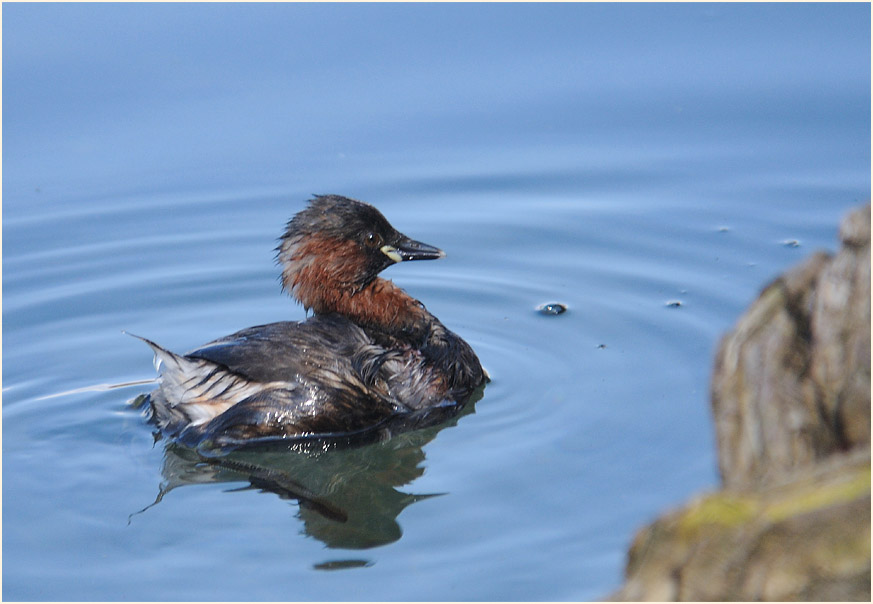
x=792, y=381
x=808, y=539
x=791, y=404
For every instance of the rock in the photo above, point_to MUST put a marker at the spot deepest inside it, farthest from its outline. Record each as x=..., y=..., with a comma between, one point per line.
x=840, y=354
x=803, y=540
x=792, y=381
x=791, y=404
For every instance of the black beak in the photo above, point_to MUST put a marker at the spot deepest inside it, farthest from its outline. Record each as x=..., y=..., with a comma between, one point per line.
x=408, y=249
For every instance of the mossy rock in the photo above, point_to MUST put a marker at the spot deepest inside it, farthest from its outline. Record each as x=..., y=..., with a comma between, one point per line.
x=806, y=539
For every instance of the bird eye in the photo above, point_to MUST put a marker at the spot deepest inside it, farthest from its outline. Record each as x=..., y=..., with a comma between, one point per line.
x=374, y=240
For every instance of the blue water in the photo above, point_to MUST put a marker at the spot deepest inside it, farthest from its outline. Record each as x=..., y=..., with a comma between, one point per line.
x=649, y=166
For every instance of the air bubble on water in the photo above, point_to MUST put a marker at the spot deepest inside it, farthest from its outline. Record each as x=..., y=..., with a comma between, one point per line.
x=552, y=308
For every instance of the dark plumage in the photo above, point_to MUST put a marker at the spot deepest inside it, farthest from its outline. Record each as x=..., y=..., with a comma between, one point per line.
x=368, y=355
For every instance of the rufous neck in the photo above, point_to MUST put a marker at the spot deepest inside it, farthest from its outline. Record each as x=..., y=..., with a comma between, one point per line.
x=379, y=304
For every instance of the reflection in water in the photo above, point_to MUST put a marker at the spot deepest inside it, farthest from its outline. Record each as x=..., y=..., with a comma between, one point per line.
x=346, y=491
x=342, y=564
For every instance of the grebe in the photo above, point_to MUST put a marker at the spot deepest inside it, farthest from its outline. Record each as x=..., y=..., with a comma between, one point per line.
x=369, y=353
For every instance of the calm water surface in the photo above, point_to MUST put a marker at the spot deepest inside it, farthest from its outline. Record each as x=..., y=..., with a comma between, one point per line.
x=649, y=166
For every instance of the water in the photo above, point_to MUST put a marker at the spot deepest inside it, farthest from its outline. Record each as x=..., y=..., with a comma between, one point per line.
x=643, y=165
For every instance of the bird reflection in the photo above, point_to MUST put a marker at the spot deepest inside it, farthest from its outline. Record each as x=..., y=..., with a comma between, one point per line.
x=347, y=491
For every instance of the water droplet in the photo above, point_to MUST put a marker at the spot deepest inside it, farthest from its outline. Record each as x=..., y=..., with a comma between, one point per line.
x=552, y=308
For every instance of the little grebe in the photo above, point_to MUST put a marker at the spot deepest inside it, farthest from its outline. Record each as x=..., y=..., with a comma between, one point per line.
x=369, y=352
